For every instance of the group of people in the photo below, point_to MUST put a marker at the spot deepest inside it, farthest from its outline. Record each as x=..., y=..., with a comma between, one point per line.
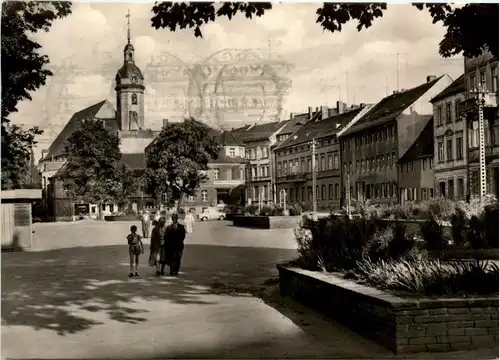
x=167, y=242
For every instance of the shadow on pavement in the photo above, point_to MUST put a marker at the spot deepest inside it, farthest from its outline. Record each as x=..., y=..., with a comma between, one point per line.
x=47, y=290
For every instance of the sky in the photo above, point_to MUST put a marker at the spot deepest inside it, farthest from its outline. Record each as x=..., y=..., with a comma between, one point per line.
x=85, y=51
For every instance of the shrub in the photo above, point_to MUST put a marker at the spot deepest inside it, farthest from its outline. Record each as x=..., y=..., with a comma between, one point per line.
x=308, y=258
x=491, y=215
x=475, y=233
x=267, y=210
x=433, y=234
x=252, y=209
x=459, y=227
x=295, y=209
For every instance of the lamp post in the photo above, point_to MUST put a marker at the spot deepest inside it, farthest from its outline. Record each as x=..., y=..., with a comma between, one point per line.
x=313, y=148
x=479, y=95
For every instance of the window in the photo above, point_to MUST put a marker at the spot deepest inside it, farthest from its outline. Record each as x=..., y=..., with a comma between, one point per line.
x=472, y=82
x=232, y=152
x=451, y=189
x=440, y=150
x=449, y=149
x=291, y=195
x=357, y=165
x=457, y=111
x=393, y=159
x=134, y=99
x=482, y=80
x=323, y=164
x=317, y=192
x=494, y=79
x=303, y=194
x=285, y=167
x=474, y=134
x=323, y=192
x=412, y=167
x=296, y=170
x=424, y=164
x=460, y=188
x=330, y=191
x=442, y=189
x=303, y=166
x=373, y=163
x=309, y=165
x=439, y=113
x=336, y=161
x=350, y=167
x=264, y=153
x=279, y=169
x=460, y=147
x=216, y=174
x=291, y=170
x=448, y=113
x=330, y=162
x=337, y=191
x=362, y=165
x=204, y=195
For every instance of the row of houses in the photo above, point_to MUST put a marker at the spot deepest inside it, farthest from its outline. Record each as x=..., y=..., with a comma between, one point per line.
x=413, y=145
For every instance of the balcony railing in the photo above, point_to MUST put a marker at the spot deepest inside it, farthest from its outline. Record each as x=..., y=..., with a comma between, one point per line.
x=294, y=177
x=491, y=151
x=260, y=178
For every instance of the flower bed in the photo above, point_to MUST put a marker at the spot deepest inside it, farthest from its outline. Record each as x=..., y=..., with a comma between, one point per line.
x=391, y=259
x=266, y=222
x=400, y=324
x=131, y=217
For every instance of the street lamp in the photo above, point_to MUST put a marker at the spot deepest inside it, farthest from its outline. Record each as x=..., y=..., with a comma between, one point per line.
x=479, y=95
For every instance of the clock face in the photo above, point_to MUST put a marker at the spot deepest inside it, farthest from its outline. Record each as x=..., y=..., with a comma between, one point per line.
x=134, y=78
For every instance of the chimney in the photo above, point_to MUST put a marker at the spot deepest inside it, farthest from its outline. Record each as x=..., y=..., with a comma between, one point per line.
x=291, y=116
x=165, y=122
x=431, y=78
x=324, y=112
x=310, y=109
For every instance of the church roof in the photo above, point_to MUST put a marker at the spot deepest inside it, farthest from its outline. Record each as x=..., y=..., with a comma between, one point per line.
x=57, y=146
x=128, y=69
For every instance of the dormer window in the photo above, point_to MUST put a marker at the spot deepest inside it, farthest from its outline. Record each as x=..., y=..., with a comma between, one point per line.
x=134, y=99
x=232, y=152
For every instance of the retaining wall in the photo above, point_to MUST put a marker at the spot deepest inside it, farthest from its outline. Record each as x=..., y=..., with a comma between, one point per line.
x=403, y=325
x=267, y=222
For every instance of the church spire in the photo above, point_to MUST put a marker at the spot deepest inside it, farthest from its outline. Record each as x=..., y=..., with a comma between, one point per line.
x=128, y=26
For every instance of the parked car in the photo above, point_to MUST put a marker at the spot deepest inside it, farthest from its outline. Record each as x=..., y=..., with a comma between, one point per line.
x=211, y=213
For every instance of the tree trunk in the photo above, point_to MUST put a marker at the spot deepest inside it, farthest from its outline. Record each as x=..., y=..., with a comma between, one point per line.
x=179, y=204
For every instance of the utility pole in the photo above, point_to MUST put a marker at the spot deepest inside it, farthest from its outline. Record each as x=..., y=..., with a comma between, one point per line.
x=479, y=94
x=313, y=147
x=348, y=195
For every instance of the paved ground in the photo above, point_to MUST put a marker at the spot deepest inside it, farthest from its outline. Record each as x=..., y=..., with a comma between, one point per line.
x=77, y=302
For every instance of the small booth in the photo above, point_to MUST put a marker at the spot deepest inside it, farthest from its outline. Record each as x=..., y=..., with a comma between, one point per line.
x=16, y=213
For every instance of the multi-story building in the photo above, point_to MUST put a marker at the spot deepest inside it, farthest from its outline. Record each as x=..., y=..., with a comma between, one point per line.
x=294, y=159
x=481, y=71
x=258, y=140
x=371, y=148
x=416, y=175
x=450, y=162
x=226, y=176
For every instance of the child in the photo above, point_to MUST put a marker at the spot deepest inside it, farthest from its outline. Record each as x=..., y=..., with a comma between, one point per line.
x=135, y=248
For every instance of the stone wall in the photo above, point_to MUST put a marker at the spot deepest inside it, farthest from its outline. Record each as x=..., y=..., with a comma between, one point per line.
x=403, y=325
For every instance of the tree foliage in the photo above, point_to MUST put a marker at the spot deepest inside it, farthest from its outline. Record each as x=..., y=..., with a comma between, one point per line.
x=23, y=71
x=469, y=29
x=16, y=153
x=178, y=159
x=93, y=172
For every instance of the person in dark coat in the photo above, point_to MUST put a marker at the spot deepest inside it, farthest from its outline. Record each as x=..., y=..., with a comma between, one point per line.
x=174, y=244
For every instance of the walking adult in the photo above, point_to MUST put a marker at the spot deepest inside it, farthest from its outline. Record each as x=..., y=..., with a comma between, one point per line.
x=158, y=256
x=174, y=244
x=146, y=223
x=189, y=224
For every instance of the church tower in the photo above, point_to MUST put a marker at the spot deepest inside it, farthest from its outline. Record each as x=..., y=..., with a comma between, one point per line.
x=129, y=90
